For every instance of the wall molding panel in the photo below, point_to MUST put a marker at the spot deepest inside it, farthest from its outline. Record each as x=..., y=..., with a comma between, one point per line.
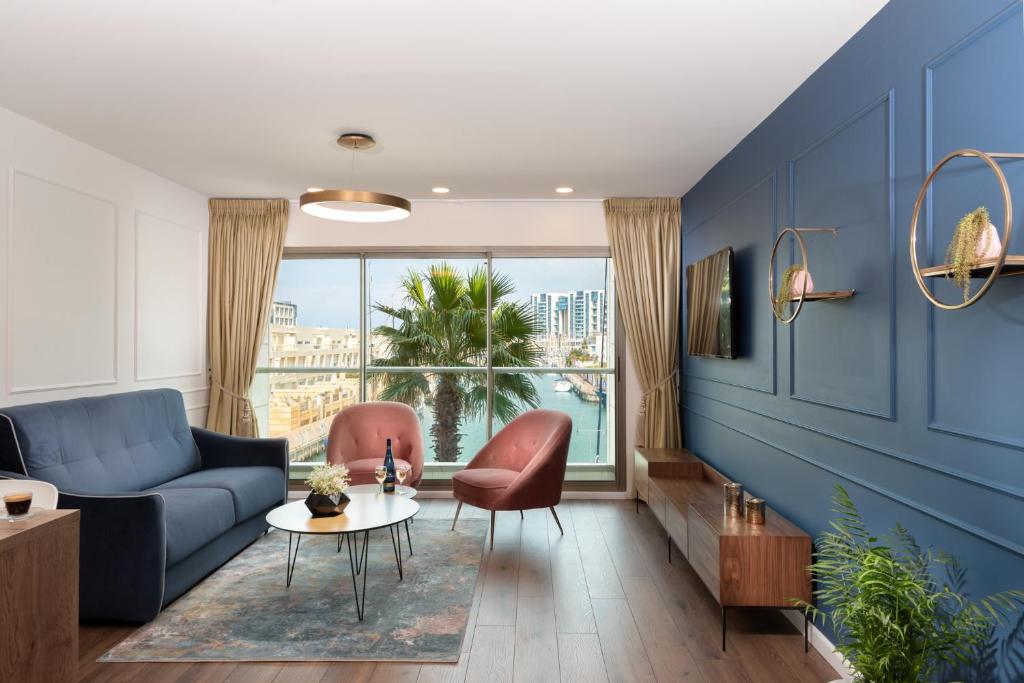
x=994, y=30
x=172, y=319
x=840, y=247
x=771, y=387
x=48, y=284
x=74, y=285
x=951, y=472
x=938, y=515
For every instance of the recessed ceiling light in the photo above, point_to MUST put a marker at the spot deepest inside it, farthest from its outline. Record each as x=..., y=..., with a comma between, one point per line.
x=440, y=190
x=314, y=189
x=563, y=190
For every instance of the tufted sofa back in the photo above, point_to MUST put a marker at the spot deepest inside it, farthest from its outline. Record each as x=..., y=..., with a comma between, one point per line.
x=101, y=444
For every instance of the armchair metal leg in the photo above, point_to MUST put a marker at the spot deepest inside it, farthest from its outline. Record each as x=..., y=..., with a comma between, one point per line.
x=457, y=511
x=492, y=529
x=555, y=515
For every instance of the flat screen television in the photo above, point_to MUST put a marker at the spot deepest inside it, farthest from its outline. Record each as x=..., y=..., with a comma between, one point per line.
x=709, y=317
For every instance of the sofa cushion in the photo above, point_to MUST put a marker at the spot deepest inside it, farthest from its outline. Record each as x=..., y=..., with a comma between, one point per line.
x=194, y=517
x=100, y=444
x=253, y=489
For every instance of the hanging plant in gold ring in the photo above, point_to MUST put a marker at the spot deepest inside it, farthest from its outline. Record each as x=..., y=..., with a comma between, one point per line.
x=922, y=194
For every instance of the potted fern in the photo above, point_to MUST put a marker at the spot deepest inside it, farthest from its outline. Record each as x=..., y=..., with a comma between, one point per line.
x=894, y=620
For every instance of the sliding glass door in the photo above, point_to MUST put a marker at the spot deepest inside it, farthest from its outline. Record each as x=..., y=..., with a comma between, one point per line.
x=311, y=358
x=574, y=370
x=427, y=331
x=428, y=348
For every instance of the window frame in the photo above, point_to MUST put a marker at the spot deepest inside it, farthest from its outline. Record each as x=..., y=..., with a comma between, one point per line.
x=488, y=255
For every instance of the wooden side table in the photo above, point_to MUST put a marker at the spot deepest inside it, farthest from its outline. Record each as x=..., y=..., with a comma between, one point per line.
x=743, y=565
x=39, y=597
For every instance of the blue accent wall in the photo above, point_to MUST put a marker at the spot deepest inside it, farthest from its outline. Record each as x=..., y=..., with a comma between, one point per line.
x=918, y=412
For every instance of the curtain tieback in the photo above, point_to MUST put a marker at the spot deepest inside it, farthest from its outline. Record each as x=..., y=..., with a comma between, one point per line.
x=246, y=402
x=657, y=387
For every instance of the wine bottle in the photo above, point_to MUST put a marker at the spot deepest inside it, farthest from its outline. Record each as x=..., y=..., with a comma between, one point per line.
x=389, y=463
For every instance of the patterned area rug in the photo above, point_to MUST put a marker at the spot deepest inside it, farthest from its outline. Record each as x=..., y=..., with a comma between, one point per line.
x=244, y=612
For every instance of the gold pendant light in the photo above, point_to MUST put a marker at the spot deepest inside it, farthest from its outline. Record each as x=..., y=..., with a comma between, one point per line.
x=356, y=206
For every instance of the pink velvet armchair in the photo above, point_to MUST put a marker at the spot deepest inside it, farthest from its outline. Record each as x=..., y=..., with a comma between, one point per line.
x=521, y=468
x=359, y=434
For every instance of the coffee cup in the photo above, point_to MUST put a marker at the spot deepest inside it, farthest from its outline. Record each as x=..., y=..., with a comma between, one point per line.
x=18, y=503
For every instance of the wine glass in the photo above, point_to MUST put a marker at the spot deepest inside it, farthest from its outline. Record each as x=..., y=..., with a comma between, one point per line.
x=380, y=473
x=402, y=473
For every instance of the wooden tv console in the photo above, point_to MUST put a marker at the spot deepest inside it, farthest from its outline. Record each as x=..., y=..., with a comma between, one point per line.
x=743, y=565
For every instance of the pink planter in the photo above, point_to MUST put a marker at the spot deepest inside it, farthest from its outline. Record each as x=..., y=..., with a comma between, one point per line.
x=797, y=283
x=989, y=245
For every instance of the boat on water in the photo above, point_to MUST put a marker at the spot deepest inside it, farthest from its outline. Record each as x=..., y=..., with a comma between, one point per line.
x=562, y=385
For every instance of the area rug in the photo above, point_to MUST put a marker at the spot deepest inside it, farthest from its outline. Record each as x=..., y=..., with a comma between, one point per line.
x=244, y=612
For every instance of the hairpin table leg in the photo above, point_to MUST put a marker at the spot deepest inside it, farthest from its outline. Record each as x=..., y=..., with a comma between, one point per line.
x=397, y=547
x=352, y=559
x=290, y=562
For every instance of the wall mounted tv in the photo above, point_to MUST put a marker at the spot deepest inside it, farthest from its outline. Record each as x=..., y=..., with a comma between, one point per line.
x=709, y=318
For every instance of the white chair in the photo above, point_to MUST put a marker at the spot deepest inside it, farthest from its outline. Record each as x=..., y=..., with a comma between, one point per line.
x=44, y=494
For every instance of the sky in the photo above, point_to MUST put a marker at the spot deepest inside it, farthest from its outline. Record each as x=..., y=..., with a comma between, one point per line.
x=326, y=291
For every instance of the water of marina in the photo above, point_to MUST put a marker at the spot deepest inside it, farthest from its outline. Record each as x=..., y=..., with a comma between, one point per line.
x=588, y=444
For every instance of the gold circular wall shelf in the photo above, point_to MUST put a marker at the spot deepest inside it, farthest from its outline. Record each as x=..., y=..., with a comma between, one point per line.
x=804, y=294
x=997, y=265
x=771, y=276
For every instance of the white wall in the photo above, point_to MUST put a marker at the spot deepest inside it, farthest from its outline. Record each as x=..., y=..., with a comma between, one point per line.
x=497, y=223
x=103, y=280
x=563, y=222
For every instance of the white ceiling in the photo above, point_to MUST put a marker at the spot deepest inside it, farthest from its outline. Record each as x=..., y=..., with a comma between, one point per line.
x=493, y=98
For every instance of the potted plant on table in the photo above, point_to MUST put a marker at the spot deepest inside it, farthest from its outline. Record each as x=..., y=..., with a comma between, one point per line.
x=327, y=484
x=894, y=621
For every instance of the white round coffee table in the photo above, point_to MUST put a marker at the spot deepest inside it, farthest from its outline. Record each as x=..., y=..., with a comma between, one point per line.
x=400, y=490
x=364, y=513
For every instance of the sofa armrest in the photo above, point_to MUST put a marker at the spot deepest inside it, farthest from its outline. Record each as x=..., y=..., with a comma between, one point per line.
x=123, y=554
x=221, y=450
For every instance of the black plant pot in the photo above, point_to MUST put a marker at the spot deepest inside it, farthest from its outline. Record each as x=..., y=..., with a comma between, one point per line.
x=326, y=506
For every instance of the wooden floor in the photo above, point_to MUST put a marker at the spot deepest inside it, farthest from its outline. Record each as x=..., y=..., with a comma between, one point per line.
x=600, y=603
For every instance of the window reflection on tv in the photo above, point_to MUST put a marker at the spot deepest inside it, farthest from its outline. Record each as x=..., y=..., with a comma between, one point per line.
x=709, y=306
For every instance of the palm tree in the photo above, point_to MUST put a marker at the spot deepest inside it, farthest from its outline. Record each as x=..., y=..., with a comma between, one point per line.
x=443, y=322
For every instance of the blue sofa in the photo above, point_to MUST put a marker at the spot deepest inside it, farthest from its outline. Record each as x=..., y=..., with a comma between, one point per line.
x=162, y=504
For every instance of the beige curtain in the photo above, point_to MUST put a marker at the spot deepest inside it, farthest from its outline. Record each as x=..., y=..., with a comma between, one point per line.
x=246, y=245
x=644, y=239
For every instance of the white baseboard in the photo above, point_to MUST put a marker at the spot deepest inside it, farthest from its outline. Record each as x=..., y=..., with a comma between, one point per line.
x=821, y=643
